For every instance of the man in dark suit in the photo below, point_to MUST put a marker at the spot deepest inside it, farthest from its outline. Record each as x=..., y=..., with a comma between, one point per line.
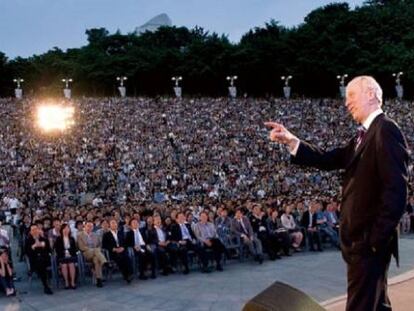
x=242, y=228
x=309, y=222
x=114, y=242
x=182, y=240
x=159, y=241
x=38, y=253
x=138, y=241
x=374, y=191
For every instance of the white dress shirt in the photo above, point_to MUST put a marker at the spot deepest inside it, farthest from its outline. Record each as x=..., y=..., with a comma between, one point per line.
x=138, y=238
x=161, y=234
x=115, y=235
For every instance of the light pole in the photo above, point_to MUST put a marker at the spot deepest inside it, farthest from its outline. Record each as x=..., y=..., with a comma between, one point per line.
x=67, y=91
x=121, y=87
x=18, y=92
x=232, y=88
x=342, y=88
x=177, y=88
x=398, y=87
x=286, y=88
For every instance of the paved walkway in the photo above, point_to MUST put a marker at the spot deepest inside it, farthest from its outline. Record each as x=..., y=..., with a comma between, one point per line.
x=321, y=275
x=400, y=292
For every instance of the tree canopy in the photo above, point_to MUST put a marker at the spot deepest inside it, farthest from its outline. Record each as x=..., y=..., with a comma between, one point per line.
x=375, y=39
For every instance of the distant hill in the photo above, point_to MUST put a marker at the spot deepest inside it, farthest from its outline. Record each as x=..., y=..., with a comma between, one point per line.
x=154, y=23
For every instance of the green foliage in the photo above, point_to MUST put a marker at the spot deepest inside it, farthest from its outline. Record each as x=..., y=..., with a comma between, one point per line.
x=376, y=39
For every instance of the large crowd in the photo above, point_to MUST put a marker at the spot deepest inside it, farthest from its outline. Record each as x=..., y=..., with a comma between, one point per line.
x=159, y=179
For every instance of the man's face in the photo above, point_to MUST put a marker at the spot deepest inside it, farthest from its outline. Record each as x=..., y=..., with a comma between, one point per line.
x=358, y=100
x=88, y=227
x=134, y=224
x=203, y=217
x=157, y=221
x=34, y=230
x=114, y=225
x=239, y=215
x=181, y=218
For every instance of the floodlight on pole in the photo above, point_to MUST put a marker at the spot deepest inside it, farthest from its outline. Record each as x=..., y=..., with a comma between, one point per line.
x=67, y=81
x=231, y=79
x=18, y=81
x=341, y=79
x=286, y=79
x=176, y=80
x=121, y=80
x=397, y=76
x=398, y=87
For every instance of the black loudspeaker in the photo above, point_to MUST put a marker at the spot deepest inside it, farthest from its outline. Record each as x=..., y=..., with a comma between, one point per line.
x=282, y=297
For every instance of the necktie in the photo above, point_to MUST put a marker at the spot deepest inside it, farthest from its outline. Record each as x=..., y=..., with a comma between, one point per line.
x=243, y=227
x=360, y=137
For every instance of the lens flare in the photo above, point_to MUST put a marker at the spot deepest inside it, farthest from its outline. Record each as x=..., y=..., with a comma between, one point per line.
x=55, y=117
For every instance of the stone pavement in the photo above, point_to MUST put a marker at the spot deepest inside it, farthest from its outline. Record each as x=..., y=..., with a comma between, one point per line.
x=321, y=275
x=400, y=291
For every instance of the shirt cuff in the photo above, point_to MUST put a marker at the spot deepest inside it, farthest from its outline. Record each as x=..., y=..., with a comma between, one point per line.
x=293, y=151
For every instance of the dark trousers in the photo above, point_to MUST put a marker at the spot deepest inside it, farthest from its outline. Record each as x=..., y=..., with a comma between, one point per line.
x=144, y=259
x=218, y=250
x=180, y=251
x=39, y=265
x=161, y=254
x=367, y=284
x=6, y=282
x=270, y=246
x=314, y=237
x=281, y=240
x=123, y=263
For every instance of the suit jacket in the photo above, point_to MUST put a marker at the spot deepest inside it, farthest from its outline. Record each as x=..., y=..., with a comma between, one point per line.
x=109, y=243
x=257, y=223
x=82, y=240
x=374, y=187
x=328, y=216
x=237, y=228
x=305, y=220
x=198, y=232
x=60, y=249
x=153, y=236
x=176, y=234
x=39, y=253
x=130, y=237
x=221, y=222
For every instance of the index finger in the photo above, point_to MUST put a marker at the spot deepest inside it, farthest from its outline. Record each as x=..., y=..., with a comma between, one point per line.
x=274, y=125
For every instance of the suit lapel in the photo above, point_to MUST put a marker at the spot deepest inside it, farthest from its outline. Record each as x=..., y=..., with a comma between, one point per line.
x=369, y=135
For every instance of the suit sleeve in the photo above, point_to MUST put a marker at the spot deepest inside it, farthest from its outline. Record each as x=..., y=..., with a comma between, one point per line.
x=105, y=242
x=392, y=161
x=129, y=239
x=310, y=155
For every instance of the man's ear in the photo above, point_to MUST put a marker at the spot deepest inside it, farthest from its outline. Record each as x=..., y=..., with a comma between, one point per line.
x=372, y=98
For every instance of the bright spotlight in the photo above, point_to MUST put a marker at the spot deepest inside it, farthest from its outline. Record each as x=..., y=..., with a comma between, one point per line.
x=55, y=117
